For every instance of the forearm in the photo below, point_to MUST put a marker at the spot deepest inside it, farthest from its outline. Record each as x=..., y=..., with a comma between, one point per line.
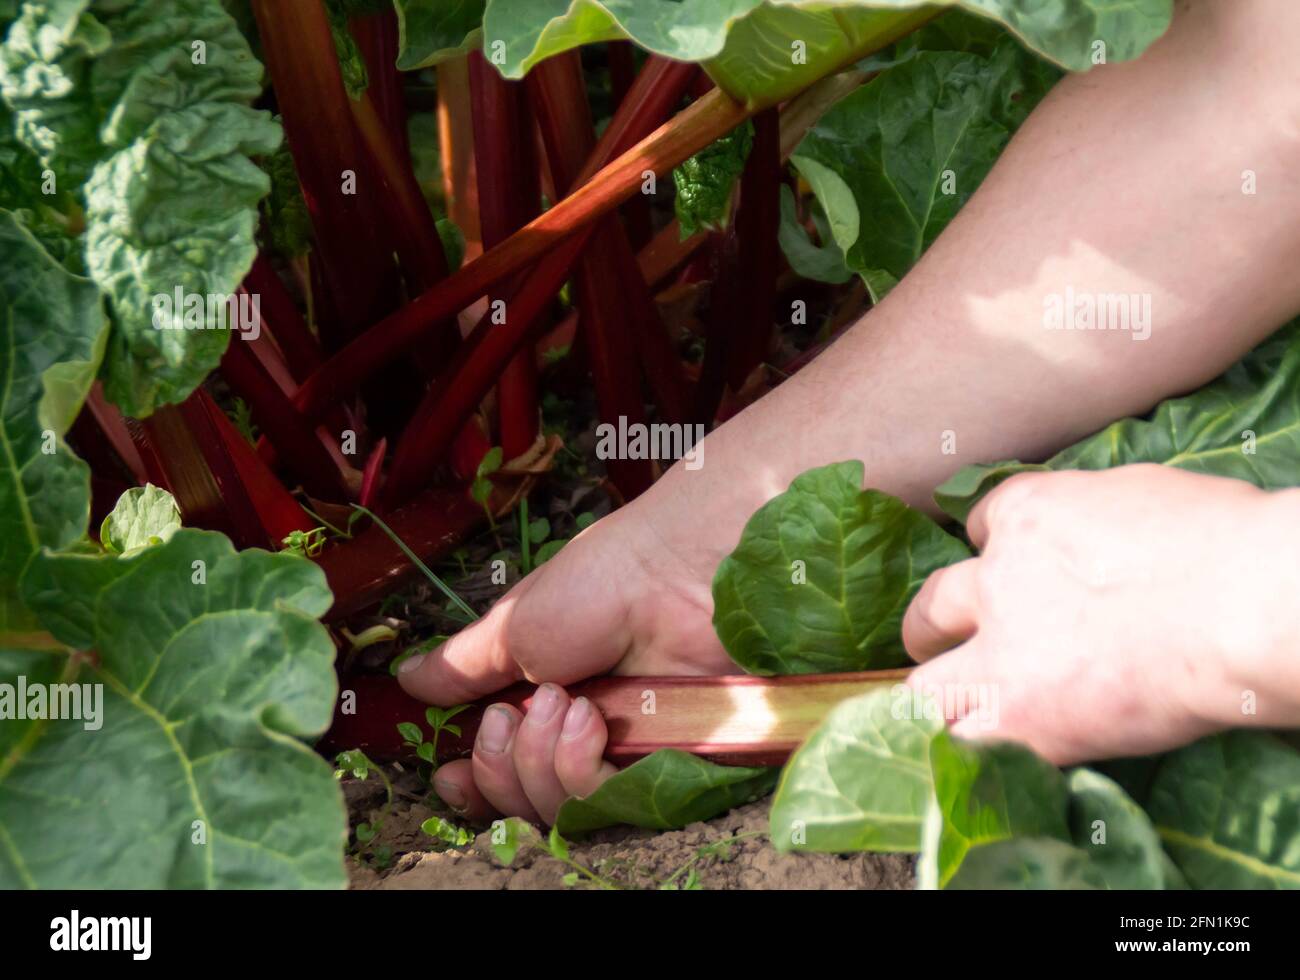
x=1126, y=181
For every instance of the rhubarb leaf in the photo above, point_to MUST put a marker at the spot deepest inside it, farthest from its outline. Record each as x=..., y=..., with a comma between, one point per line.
x=762, y=53
x=1027, y=864
x=823, y=574
x=861, y=782
x=663, y=791
x=821, y=263
x=52, y=334
x=213, y=667
x=989, y=792
x=1228, y=811
x=146, y=106
x=704, y=181
x=143, y=516
x=1116, y=835
x=912, y=145
x=1245, y=425
x=431, y=31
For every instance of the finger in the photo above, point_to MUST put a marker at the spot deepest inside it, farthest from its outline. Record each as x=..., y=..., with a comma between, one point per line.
x=493, y=762
x=534, y=751
x=454, y=784
x=579, y=754
x=474, y=662
x=960, y=682
x=944, y=613
x=1006, y=496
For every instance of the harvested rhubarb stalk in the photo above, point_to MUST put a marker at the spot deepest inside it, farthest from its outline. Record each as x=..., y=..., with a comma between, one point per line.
x=736, y=720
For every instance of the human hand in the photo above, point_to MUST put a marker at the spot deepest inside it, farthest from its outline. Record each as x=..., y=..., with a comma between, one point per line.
x=615, y=599
x=1114, y=613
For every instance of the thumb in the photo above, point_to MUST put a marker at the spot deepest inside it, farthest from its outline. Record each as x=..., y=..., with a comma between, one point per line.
x=474, y=662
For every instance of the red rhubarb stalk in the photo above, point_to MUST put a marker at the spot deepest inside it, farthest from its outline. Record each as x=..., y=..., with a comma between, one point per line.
x=695, y=127
x=559, y=97
x=281, y=319
x=509, y=197
x=293, y=436
x=489, y=347
x=735, y=720
x=218, y=481
x=359, y=282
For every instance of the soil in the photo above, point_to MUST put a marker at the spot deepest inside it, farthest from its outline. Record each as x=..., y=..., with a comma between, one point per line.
x=622, y=857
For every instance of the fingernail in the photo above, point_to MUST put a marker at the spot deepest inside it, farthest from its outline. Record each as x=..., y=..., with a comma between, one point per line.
x=494, y=733
x=576, y=720
x=449, y=793
x=545, y=701
x=411, y=663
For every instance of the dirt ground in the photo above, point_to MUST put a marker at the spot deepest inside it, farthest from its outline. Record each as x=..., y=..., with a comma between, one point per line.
x=622, y=857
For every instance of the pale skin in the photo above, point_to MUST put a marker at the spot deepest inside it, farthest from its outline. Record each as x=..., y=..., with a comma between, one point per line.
x=1114, y=613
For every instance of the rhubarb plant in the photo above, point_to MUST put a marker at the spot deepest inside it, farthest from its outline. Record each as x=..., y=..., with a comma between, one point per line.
x=140, y=189
x=108, y=677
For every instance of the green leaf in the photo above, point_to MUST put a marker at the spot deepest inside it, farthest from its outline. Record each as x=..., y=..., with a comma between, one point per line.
x=548, y=551
x=1228, y=811
x=352, y=63
x=894, y=161
x=762, y=53
x=453, y=242
x=425, y=751
x=557, y=845
x=1116, y=835
x=539, y=530
x=510, y=836
x=143, y=516
x=52, y=333
x=821, y=263
x=861, y=782
x=1027, y=863
x=116, y=97
x=424, y=646
x=431, y=31
x=989, y=792
x=822, y=576
x=447, y=832
x=286, y=223
x=705, y=180
x=410, y=732
x=354, y=761
x=196, y=777
x=666, y=790
x=490, y=463
x=1245, y=425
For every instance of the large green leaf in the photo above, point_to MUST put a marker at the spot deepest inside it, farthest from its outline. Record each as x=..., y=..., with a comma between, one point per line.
x=1244, y=425
x=663, y=791
x=1027, y=863
x=212, y=667
x=823, y=574
x=761, y=53
x=912, y=146
x=1228, y=810
x=121, y=98
x=989, y=792
x=862, y=780
x=431, y=31
x=52, y=331
x=1117, y=835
